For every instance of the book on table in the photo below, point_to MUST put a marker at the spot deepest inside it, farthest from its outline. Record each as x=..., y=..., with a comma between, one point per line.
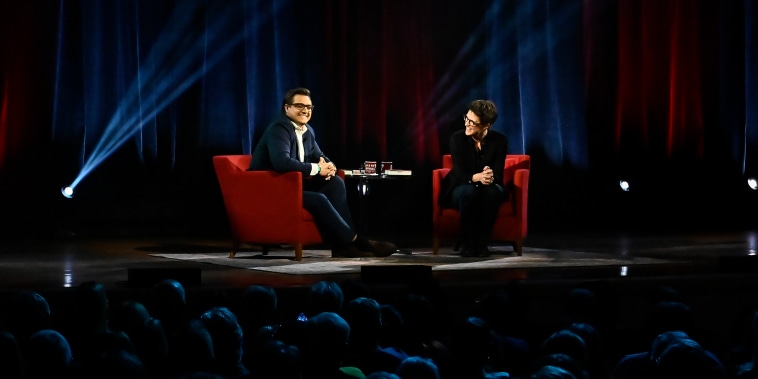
x=397, y=172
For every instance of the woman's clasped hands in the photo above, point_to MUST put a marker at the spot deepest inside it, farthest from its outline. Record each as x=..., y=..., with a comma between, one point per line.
x=485, y=177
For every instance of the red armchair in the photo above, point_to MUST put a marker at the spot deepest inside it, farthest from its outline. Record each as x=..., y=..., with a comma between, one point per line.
x=264, y=207
x=511, y=223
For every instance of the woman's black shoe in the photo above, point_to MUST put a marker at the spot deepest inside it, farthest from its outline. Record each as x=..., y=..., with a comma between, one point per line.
x=483, y=251
x=468, y=251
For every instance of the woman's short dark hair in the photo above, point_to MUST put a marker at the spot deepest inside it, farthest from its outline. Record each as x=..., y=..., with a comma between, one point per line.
x=485, y=109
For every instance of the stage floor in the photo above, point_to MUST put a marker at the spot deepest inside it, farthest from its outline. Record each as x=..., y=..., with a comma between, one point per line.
x=66, y=261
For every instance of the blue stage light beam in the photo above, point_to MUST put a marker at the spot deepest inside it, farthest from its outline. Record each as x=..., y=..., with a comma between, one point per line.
x=177, y=60
x=471, y=69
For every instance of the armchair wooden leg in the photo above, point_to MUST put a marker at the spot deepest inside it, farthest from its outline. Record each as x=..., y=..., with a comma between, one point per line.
x=235, y=247
x=435, y=245
x=518, y=247
x=299, y=252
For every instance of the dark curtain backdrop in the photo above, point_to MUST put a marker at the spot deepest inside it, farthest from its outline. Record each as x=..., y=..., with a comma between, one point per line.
x=130, y=99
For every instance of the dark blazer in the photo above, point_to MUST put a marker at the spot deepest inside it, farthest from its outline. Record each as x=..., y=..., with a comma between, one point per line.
x=467, y=161
x=277, y=149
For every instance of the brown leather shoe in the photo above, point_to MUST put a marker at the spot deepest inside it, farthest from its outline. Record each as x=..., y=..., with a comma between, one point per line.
x=383, y=248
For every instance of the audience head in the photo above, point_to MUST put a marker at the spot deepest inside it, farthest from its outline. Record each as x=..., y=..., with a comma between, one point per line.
x=129, y=317
x=685, y=358
x=109, y=340
x=49, y=355
x=566, y=363
x=325, y=342
x=258, y=307
x=28, y=313
x=226, y=334
x=91, y=306
x=382, y=375
x=365, y=319
x=277, y=360
x=11, y=364
x=168, y=302
x=662, y=341
x=324, y=296
x=566, y=342
x=552, y=372
x=146, y=333
x=191, y=349
x=416, y=367
x=596, y=354
x=260, y=337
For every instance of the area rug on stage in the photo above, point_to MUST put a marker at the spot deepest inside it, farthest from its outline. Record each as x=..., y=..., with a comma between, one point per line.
x=320, y=261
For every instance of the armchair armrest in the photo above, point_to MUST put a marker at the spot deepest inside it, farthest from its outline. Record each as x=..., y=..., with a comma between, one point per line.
x=265, y=203
x=437, y=176
x=521, y=196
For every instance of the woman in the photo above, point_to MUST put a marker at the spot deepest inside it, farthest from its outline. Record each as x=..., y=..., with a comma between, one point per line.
x=475, y=186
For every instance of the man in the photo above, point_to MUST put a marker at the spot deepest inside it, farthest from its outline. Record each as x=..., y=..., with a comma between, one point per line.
x=289, y=144
x=474, y=185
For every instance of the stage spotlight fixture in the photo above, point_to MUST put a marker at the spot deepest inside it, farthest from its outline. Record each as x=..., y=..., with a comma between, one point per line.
x=624, y=271
x=752, y=183
x=624, y=185
x=67, y=192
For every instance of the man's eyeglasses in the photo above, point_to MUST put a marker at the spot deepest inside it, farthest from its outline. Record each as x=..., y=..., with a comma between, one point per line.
x=467, y=120
x=301, y=106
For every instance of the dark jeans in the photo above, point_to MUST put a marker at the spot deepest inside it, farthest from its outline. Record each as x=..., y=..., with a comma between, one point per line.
x=478, y=205
x=326, y=200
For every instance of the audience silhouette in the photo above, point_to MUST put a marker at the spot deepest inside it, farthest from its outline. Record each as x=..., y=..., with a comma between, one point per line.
x=411, y=336
x=324, y=296
x=49, y=357
x=642, y=365
x=552, y=372
x=11, y=362
x=382, y=375
x=326, y=340
x=191, y=351
x=28, y=313
x=471, y=347
x=145, y=333
x=86, y=324
x=167, y=302
x=277, y=360
x=418, y=368
x=364, y=316
x=685, y=358
x=227, y=337
x=259, y=307
x=511, y=353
